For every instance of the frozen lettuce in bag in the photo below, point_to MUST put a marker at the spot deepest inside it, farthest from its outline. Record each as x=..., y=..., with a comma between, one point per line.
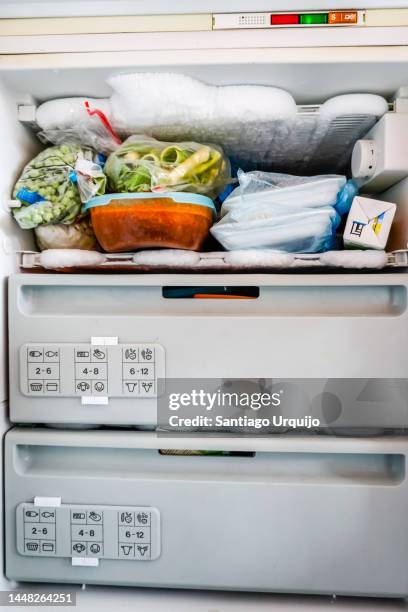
x=145, y=164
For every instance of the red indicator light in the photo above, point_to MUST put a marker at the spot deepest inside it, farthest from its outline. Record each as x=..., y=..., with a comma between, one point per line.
x=280, y=19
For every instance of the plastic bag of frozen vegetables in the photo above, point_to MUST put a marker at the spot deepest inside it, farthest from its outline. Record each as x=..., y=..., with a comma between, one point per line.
x=143, y=164
x=48, y=188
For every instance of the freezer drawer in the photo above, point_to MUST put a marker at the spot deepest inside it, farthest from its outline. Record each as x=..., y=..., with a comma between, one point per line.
x=91, y=349
x=299, y=515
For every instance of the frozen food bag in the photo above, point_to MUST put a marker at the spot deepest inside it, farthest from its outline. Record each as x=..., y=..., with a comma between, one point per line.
x=78, y=235
x=144, y=164
x=48, y=187
x=281, y=212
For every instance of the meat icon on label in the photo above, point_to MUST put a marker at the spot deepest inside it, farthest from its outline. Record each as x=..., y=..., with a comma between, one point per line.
x=142, y=549
x=126, y=548
x=131, y=386
x=94, y=516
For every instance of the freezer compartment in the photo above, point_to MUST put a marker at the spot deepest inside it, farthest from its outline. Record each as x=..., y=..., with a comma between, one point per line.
x=84, y=348
x=298, y=516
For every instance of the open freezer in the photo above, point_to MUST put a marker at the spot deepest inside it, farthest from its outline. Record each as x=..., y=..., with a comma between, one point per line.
x=316, y=321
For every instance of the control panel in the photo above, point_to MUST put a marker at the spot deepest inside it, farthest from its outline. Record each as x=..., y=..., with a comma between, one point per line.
x=61, y=370
x=102, y=532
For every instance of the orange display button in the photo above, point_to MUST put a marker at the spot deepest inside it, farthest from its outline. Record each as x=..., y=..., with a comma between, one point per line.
x=343, y=17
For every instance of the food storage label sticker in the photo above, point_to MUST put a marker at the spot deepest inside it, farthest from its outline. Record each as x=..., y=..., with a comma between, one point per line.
x=69, y=370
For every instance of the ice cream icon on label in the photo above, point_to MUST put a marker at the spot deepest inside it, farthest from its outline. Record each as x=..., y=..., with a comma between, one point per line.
x=52, y=386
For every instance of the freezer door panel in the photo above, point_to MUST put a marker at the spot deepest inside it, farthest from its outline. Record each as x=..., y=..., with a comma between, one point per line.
x=299, y=326
x=304, y=516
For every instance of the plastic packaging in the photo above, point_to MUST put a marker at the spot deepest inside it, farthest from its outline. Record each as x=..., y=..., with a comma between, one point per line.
x=58, y=236
x=48, y=187
x=91, y=128
x=283, y=212
x=144, y=164
x=124, y=222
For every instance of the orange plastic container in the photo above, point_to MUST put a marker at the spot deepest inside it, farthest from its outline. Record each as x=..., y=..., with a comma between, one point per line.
x=126, y=222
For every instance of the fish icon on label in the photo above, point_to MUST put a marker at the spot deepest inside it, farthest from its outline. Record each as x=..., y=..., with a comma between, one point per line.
x=51, y=354
x=35, y=354
x=48, y=514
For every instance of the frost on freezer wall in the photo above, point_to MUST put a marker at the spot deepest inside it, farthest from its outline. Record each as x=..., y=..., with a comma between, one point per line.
x=17, y=147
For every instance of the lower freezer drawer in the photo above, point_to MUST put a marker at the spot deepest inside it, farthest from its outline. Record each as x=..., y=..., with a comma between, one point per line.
x=299, y=515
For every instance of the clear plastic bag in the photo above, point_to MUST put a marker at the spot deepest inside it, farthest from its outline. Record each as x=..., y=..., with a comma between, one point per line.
x=48, y=188
x=144, y=164
x=281, y=212
x=91, y=129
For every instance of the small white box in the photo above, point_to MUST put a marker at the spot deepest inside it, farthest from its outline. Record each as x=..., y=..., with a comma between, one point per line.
x=369, y=223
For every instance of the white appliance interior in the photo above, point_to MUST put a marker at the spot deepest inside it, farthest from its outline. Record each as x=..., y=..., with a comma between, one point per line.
x=36, y=78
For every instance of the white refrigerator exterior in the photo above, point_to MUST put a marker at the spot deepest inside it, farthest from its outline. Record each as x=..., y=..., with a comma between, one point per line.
x=313, y=64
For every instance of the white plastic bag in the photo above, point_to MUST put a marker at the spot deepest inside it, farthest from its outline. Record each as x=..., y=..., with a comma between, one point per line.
x=282, y=212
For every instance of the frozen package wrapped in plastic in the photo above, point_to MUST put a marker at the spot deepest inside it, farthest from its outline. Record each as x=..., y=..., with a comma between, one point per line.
x=145, y=164
x=281, y=212
x=91, y=128
x=48, y=188
x=78, y=235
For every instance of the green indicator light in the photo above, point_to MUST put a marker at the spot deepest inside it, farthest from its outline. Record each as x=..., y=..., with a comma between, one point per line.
x=313, y=18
